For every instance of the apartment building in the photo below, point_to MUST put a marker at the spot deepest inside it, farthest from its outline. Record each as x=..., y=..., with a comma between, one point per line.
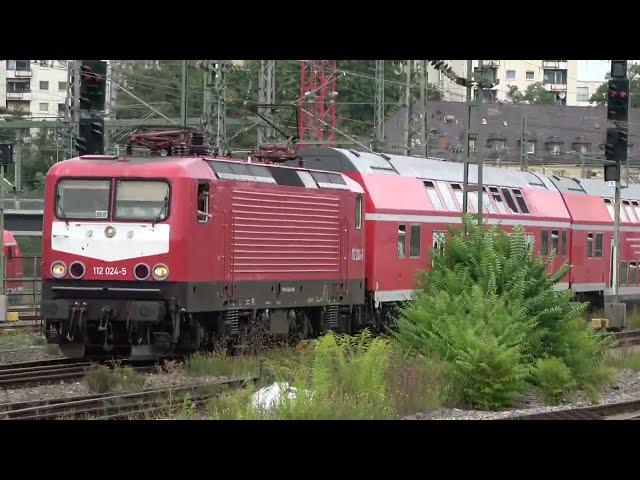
x=33, y=88
x=557, y=76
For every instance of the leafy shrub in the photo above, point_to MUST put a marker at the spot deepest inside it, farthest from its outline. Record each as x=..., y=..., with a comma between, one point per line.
x=488, y=309
x=554, y=379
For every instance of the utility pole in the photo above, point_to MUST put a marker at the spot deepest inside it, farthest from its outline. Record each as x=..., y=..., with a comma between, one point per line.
x=184, y=97
x=407, y=106
x=214, y=113
x=476, y=110
x=424, y=100
x=266, y=96
x=616, y=152
x=524, y=157
x=379, y=103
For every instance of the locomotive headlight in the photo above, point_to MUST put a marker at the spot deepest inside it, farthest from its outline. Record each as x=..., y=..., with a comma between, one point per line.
x=160, y=272
x=58, y=269
x=110, y=231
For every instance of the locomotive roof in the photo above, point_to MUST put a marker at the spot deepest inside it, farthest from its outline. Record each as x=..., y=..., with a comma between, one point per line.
x=343, y=160
x=166, y=167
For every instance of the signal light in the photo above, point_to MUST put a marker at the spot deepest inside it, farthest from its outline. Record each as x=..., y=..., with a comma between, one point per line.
x=90, y=139
x=618, y=99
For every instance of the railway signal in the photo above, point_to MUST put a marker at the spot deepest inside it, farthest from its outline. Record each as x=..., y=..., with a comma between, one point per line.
x=91, y=88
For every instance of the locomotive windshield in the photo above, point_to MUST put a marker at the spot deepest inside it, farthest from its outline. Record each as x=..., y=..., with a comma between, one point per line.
x=83, y=199
x=141, y=200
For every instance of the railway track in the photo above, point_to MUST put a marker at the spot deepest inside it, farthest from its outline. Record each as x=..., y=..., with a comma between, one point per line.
x=628, y=338
x=47, y=371
x=629, y=410
x=110, y=406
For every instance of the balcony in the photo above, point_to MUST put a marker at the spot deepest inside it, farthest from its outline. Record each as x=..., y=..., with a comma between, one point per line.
x=19, y=95
x=556, y=87
x=492, y=63
x=19, y=74
x=555, y=64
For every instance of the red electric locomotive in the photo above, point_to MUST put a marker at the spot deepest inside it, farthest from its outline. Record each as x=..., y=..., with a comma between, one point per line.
x=145, y=255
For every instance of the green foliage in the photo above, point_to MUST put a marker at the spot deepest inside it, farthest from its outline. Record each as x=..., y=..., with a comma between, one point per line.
x=220, y=364
x=536, y=93
x=633, y=73
x=624, y=359
x=553, y=379
x=104, y=379
x=488, y=309
x=514, y=94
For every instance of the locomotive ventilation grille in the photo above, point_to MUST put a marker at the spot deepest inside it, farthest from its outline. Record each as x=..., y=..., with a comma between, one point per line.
x=284, y=233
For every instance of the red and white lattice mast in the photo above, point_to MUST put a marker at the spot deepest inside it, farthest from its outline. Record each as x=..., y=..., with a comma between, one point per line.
x=317, y=105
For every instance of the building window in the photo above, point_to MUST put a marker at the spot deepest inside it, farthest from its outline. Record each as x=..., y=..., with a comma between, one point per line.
x=472, y=145
x=62, y=86
x=582, y=94
x=21, y=65
x=18, y=86
x=414, y=242
x=44, y=107
x=530, y=147
x=44, y=85
x=62, y=108
x=511, y=74
x=529, y=75
x=555, y=77
x=358, y=212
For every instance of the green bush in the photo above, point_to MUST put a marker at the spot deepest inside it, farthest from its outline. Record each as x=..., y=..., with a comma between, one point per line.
x=553, y=379
x=488, y=309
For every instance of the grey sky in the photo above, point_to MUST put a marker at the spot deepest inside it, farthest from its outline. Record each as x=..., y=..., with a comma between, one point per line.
x=593, y=69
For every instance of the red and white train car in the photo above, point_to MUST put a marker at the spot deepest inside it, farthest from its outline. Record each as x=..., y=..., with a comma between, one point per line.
x=145, y=253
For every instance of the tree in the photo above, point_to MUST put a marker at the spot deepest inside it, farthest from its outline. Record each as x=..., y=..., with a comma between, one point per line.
x=514, y=95
x=633, y=72
x=537, y=94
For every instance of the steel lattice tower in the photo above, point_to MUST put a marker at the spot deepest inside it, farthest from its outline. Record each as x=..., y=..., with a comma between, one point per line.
x=317, y=105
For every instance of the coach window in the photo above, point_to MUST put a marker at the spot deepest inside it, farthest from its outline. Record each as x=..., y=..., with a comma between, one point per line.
x=630, y=213
x=589, y=245
x=509, y=199
x=438, y=241
x=529, y=240
x=633, y=268
x=486, y=201
x=555, y=238
x=544, y=242
x=609, y=205
x=598, y=247
x=433, y=195
x=448, y=198
x=636, y=208
x=520, y=200
x=498, y=199
x=203, y=202
x=414, y=241
x=402, y=237
x=563, y=243
x=623, y=273
x=358, y=212
x=457, y=191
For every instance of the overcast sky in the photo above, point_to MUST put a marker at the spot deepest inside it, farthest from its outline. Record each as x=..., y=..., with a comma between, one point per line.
x=595, y=69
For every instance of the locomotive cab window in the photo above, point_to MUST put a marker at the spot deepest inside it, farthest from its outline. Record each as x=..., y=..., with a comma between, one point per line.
x=142, y=200
x=358, y=212
x=402, y=237
x=83, y=199
x=203, y=202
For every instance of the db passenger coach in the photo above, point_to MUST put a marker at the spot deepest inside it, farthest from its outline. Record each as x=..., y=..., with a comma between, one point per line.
x=145, y=256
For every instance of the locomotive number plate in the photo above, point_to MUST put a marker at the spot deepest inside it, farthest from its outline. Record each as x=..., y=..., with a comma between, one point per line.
x=109, y=271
